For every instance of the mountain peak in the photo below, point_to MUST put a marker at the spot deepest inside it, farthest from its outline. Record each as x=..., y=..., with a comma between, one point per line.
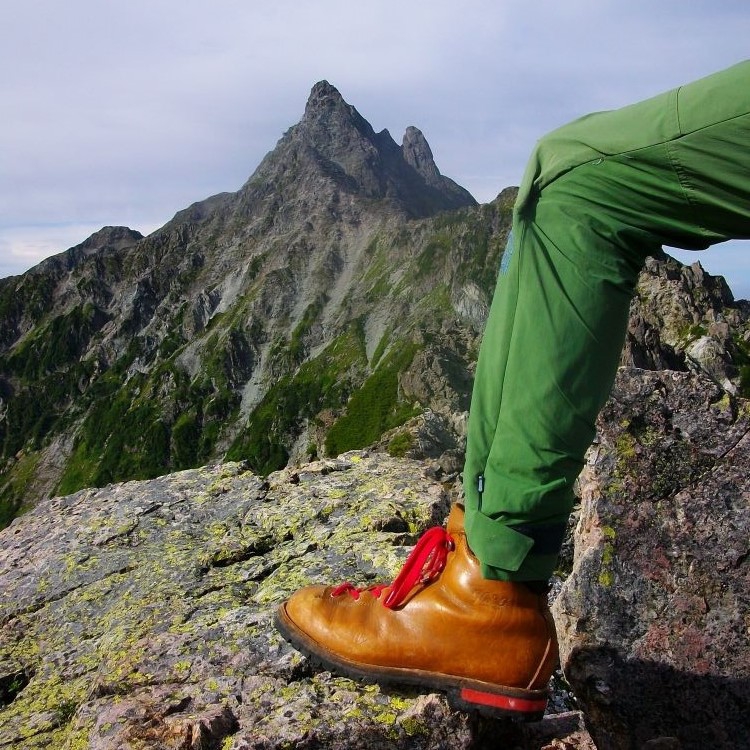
x=326, y=103
x=418, y=154
x=112, y=236
x=323, y=93
x=371, y=163
x=107, y=239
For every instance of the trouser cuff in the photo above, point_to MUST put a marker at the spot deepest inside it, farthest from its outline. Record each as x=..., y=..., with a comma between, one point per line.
x=523, y=552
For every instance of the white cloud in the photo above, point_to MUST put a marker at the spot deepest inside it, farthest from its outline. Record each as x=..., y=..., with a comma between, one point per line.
x=24, y=247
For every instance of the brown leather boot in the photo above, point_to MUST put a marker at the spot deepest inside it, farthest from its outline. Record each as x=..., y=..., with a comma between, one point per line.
x=491, y=645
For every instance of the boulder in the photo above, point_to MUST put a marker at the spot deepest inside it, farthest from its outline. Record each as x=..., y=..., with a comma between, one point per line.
x=654, y=621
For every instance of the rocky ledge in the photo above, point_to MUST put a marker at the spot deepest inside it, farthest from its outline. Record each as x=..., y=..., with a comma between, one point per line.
x=140, y=615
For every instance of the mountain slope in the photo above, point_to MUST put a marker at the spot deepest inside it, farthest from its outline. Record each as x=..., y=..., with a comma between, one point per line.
x=339, y=295
x=247, y=314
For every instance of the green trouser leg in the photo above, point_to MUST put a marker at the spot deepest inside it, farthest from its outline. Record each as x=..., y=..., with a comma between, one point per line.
x=598, y=197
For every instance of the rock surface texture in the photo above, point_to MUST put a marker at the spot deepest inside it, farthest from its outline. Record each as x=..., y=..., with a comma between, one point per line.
x=139, y=615
x=654, y=622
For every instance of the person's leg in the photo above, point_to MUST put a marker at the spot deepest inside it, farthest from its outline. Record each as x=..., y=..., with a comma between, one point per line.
x=600, y=194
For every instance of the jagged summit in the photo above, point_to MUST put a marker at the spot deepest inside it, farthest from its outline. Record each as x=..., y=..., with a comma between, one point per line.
x=333, y=143
x=418, y=153
x=325, y=98
x=323, y=90
x=326, y=109
x=335, y=128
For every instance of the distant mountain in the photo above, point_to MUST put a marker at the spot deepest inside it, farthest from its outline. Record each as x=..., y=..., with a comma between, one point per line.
x=334, y=302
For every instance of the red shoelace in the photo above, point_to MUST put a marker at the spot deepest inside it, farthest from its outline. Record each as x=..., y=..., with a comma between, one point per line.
x=425, y=562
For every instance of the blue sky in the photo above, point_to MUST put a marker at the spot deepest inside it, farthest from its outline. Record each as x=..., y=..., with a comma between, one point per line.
x=126, y=112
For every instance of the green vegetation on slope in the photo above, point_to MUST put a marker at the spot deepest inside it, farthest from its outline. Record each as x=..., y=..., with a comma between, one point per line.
x=147, y=425
x=141, y=421
x=375, y=407
x=322, y=383
x=57, y=344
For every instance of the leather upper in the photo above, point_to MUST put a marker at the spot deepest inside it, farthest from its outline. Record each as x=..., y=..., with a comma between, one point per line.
x=460, y=624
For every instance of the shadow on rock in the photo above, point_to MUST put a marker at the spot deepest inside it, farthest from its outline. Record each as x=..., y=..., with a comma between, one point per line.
x=633, y=704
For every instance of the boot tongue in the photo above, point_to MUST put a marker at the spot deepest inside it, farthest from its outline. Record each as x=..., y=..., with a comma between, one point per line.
x=456, y=519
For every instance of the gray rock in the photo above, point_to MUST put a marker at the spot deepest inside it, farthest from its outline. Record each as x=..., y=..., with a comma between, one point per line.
x=418, y=153
x=684, y=319
x=368, y=163
x=653, y=621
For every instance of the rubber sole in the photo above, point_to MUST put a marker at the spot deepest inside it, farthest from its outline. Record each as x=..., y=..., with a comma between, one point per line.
x=494, y=701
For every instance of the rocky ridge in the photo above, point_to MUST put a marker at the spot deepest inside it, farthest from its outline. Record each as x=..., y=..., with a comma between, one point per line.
x=139, y=615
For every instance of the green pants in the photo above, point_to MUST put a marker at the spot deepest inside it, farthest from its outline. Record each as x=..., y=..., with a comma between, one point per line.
x=599, y=195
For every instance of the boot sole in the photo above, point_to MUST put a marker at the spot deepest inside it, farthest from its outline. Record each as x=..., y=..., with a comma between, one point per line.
x=464, y=694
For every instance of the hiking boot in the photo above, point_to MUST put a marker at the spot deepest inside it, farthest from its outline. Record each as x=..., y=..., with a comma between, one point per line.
x=490, y=645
